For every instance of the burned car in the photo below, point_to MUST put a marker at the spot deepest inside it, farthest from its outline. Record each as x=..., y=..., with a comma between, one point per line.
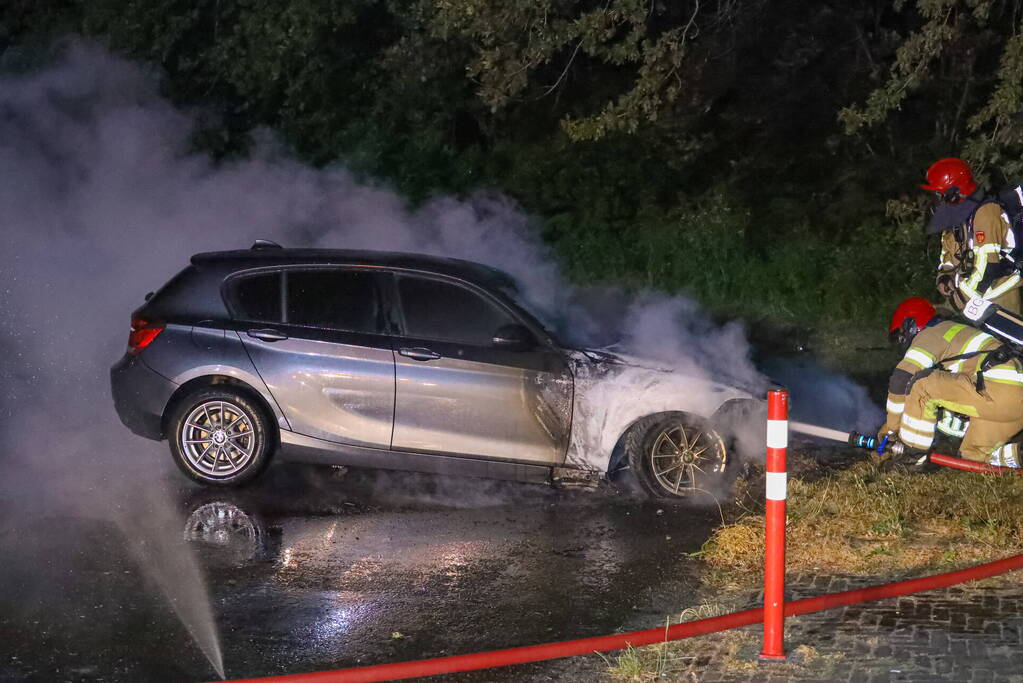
x=399, y=361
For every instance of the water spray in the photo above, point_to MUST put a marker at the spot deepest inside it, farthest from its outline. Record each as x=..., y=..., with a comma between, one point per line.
x=822, y=432
x=854, y=439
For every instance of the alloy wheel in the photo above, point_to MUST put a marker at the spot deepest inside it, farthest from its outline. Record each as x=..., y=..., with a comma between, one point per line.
x=681, y=454
x=218, y=438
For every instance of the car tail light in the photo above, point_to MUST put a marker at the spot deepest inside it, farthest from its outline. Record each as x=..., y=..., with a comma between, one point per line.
x=143, y=332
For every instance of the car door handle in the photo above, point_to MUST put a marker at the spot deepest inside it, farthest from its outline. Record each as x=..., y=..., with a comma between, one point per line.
x=419, y=353
x=267, y=334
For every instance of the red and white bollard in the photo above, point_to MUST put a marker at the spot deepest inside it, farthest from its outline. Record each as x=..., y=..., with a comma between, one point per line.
x=774, y=551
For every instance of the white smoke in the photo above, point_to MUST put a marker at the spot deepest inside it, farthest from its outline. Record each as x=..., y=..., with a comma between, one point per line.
x=103, y=199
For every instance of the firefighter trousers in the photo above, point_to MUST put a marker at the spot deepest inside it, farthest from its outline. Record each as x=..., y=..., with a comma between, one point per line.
x=996, y=416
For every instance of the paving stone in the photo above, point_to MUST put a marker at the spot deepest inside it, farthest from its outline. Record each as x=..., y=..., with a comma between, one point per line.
x=968, y=634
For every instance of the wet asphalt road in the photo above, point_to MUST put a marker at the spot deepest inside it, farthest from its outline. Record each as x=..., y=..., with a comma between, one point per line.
x=314, y=569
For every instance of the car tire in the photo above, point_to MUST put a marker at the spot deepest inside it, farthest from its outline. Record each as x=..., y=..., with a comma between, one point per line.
x=677, y=457
x=220, y=437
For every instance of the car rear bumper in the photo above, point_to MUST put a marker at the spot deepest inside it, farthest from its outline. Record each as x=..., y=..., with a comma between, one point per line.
x=140, y=396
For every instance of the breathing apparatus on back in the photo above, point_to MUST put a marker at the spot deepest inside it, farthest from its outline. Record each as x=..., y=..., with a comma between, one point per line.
x=998, y=322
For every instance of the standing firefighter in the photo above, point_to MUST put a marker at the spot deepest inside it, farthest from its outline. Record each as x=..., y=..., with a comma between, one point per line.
x=951, y=370
x=976, y=239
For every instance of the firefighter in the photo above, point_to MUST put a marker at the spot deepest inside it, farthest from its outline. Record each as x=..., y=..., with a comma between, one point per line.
x=976, y=239
x=960, y=375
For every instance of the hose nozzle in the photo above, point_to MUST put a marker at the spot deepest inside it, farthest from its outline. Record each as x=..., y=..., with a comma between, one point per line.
x=872, y=443
x=864, y=441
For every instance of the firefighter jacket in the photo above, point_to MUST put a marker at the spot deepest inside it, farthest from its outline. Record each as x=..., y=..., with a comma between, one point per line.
x=931, y=353
x=974, y=257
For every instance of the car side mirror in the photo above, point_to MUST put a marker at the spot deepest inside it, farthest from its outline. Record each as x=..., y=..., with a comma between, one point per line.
x=514, y=337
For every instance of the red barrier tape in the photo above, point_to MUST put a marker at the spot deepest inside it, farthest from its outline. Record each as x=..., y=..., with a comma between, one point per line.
x=972, y=466
x=568, y=648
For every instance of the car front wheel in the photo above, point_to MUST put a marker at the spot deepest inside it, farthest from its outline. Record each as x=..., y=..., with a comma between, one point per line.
x=219, y=437
x=677, y=456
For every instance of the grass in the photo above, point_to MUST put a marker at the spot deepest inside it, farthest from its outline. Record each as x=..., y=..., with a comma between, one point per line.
x=681, y=660
x=732, y=651
x=868, y=521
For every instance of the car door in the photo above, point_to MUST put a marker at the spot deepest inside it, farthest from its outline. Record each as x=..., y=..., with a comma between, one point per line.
x=318, y=337
x=458, y=393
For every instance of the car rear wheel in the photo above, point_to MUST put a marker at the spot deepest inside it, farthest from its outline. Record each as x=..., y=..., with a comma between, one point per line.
x=219, y=437
x=676, y=457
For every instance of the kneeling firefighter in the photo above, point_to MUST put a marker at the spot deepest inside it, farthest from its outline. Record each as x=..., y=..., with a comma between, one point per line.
x=956, y=379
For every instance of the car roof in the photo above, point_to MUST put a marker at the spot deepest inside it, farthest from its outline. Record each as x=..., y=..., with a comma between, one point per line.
x=278, y=256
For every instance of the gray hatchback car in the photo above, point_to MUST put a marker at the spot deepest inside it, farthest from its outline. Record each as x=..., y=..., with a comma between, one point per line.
x=399, y=361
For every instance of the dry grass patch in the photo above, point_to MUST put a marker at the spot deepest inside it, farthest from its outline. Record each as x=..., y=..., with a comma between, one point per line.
x=732, y=651
x=868, y=521
x=684, y=660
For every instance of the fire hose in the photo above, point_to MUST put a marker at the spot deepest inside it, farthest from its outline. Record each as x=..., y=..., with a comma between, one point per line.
x=871, y=443
x=972, y=466
x=568, y=648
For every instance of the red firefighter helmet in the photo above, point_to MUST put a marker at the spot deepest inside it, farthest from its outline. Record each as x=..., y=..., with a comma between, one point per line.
x=911, y=316
x=951, y=178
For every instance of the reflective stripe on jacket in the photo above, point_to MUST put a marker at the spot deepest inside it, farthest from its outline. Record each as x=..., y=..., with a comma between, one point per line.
x=934, y=344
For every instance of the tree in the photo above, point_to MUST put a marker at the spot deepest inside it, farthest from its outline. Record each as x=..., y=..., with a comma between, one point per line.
x=623, y=63
x=957, y=79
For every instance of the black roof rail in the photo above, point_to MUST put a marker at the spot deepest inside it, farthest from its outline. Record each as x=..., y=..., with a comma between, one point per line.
x=265, y=244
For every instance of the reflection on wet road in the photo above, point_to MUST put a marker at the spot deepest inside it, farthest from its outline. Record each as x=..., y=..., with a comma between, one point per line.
x=313, y=569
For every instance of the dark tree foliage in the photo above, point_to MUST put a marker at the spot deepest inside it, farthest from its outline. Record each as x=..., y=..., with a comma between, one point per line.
x=740, y=150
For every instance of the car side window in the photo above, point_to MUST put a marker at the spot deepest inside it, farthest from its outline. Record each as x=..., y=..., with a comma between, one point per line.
x=434, y=309
x=258, y=297
x=340, y=299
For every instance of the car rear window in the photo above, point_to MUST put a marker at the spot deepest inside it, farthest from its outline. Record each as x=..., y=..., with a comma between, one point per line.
x=334, y=298
x=435, y=309
x=258, y=297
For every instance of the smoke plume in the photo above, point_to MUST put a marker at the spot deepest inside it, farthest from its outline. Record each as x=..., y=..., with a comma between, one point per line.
x=103, y=199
